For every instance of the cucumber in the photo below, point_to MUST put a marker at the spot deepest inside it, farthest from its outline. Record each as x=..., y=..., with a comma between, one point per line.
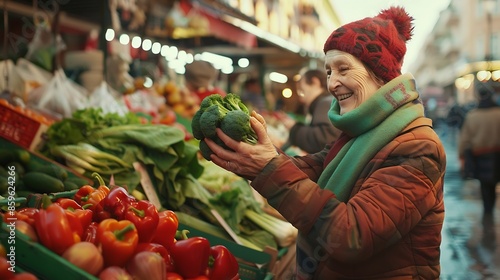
x=18, y=169
x=23, y=193
x=52, y=170
x=10, y=155
x=42, y=183
x=80, y=182
x=4, y=185
x=4, y=171
x=69, y=185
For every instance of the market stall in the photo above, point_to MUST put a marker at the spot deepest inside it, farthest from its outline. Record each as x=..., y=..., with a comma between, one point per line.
x=98, y=150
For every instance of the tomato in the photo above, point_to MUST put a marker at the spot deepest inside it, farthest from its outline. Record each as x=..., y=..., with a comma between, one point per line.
x=25, y=276
x=201, y=277
x=5, y=272
x=86, y=256
x=115, y=273
x=174, y=276
x=3, y=252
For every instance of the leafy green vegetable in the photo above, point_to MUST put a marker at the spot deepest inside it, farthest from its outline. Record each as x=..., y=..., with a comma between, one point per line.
x=162, y=149
x=77, y=128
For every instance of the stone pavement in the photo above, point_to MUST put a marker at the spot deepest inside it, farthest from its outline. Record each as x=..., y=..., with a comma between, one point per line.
x=469, y=249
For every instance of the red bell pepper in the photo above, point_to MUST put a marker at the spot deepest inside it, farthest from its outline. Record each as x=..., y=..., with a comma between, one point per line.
x=191, y=256
x=157, y=248
x=5, y=269
x=24, y=214
x=89, y=195
x=79, y=219
x=173, y=276
x=54, y=229
x=145, y=217
x=118, y=240
x=223, y=265
x=68, y=203
x=90, y=233
x=167, y=228
x=114, y=205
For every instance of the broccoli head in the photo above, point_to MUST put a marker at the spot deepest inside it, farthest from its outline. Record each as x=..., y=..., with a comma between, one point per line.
x=210, y=100
x=236, y=124
x=206, y=151
x=233, y=102
x=210, y=119
x=196, y=126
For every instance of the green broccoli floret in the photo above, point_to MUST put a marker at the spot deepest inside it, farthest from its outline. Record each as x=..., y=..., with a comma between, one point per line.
x=206, y=151
x=210, y=119
x=196, y=126
x=233, y=102
x=236, y=124
x=210, y=100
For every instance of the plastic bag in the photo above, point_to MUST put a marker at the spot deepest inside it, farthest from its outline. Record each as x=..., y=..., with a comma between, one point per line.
x=10, y=81
x=32, y=77
x=107, y=99
x=143, y=101
x=60, y=96
x=44, y=46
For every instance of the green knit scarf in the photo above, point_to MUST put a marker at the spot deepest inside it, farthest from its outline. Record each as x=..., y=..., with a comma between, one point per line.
x=372, y=125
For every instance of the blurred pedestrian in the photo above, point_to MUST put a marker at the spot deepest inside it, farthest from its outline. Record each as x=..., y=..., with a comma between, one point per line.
x=312, y=136
x=200, y=79
x=479, y=147
x=370, y=206
x=252, y=96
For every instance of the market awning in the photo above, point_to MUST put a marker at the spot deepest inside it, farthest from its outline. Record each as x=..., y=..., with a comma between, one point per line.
x=218, y=27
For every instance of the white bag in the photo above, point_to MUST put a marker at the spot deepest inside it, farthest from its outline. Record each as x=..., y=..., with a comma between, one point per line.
x=107, y=99
x=60, y=96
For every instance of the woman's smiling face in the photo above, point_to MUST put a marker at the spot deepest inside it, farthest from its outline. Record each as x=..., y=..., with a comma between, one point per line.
x=348, y=80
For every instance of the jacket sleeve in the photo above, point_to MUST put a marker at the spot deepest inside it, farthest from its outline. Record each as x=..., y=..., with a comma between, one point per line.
x=314, y=136
x=401, y=185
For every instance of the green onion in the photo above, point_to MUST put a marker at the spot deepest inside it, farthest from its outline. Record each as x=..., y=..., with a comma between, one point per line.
x=284, y=232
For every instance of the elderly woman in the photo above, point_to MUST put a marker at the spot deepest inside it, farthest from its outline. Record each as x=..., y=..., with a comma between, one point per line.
x=370, y=204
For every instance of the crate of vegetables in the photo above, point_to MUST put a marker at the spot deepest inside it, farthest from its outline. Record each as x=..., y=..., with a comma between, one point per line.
x=32, y=173
x=104, y=232
x=254, y=264
x=21, y=125
x=28, y=255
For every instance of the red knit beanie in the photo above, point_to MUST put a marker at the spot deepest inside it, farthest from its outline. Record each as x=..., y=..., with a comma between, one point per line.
x=379, y=42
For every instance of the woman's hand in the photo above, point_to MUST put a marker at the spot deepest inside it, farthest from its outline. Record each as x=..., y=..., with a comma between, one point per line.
x=246, y=160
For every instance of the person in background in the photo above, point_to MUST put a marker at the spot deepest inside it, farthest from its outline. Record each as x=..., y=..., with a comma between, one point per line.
x=370, y=205
x=312, y=137
x=200, y=79
x=251, y=95
x=479, y=147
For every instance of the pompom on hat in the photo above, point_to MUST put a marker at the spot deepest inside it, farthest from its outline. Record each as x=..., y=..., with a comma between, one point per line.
x=379, y=42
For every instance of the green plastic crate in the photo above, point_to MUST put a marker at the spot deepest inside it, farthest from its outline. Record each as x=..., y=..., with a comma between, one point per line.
x=35, y=258
x=249, y=257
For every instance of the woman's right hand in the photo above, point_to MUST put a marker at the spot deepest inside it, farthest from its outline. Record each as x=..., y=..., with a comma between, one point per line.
x=244, y=159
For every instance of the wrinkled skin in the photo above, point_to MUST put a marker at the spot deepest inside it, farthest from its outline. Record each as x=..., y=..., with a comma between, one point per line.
x=348, y=79
x=247, y=160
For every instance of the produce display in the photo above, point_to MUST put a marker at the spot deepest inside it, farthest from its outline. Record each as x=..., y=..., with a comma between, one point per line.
x=86, y=200
x=107, y=232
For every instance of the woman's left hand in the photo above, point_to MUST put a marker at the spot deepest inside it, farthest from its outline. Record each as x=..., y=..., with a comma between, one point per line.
x=246, y=160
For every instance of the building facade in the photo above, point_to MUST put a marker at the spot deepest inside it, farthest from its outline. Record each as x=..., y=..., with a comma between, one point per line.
x=462, y=50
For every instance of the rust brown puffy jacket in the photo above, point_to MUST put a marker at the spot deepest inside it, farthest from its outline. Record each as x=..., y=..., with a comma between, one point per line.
x=391, y=226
